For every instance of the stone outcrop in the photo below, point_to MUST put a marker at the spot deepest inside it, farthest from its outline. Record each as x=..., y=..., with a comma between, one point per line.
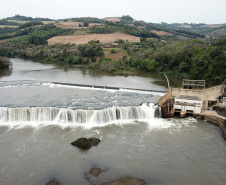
x=53, y=182
x=95, y=171
x=84, y=143
x=126, y=181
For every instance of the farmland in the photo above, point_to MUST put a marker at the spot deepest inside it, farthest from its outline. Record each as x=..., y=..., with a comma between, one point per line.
x=23, y=22
x=82, y=39
x=10, y=26
x=161, y=32
x=119, y=45
x=112, y=19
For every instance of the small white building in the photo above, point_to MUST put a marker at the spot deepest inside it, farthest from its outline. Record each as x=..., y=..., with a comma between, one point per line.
x=188, y=104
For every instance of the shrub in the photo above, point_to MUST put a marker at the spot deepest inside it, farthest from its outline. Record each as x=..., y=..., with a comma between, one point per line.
x=4, y=63
x=113, y=51
x=86, y=24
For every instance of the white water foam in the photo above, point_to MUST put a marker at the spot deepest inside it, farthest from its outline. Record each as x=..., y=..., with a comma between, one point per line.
x=143, y=92
x=33, y=84
x=52, y=85
x=43, y=116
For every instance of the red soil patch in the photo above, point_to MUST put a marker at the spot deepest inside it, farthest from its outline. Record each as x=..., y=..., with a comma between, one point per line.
x=141, y=26
x=3, y=41
x=161, y=32
x=82, y=39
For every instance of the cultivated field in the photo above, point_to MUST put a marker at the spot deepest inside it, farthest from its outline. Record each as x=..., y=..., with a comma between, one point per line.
x=161, y=32
x=82, y=39
x=3, y=41
x=71, y=24
x=10, y=26
x=23, y=22
x=185, y=26
x=118, y=55
x=112, y=19
x=213, y=25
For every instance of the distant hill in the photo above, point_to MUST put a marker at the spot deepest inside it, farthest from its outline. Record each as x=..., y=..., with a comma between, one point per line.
x=124, y=24
x=119, y=45
x=214, y=30
x=24, y=18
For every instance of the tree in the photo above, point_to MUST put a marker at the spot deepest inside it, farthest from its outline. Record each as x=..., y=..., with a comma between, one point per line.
x=127, y=18
x=86, y=24
x=93, y=49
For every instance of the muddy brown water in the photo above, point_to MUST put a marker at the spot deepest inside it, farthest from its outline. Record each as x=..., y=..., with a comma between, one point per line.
x=159, y=151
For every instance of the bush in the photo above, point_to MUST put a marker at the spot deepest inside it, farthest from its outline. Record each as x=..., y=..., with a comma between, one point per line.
x=86, y=24
x=4, y=63
x=113, y=51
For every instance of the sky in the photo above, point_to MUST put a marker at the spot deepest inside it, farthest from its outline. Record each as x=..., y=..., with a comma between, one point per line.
x=156, y=11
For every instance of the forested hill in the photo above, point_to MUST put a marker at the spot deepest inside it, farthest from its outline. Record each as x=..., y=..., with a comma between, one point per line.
x=195, y=51
x=24, y=18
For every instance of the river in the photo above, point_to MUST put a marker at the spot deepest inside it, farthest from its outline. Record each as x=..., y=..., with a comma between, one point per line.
x=39, y=119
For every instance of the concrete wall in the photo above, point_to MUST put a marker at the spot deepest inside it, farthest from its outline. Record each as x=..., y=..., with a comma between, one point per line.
x=185, y=105
x=214, y=92
x=224, y=104
x=175, y=91
x=164, y=99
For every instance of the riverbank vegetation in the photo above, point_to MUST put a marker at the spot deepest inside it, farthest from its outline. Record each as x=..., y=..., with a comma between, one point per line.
x=185, y=53
x=4, y=63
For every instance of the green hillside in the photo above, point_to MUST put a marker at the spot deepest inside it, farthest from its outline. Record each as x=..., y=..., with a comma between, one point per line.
x=195, y=51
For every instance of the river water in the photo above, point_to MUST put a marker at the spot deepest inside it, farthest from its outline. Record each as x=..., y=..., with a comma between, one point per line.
x=39, y=119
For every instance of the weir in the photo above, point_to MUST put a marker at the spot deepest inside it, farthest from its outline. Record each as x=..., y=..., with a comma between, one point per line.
x=38, y=83
x=106, y=87
x=43, y=114
x=68, y=115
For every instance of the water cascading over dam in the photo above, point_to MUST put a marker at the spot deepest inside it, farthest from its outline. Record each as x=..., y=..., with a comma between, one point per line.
x=67, y=115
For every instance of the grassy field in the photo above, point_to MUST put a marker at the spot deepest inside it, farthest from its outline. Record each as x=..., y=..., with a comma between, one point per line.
x=23, y=22
x=112, y=19
x=119, y=53
x=118, y=50
x=82, y=31
x=213, y=25
x=82, y=39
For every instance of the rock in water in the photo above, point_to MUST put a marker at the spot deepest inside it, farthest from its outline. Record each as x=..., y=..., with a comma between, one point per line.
x=126, y=181
x=95, y=171
x=53, y=182
x=84, y=143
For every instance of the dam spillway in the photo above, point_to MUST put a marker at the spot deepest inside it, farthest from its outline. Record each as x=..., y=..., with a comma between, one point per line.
x=67, y=115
